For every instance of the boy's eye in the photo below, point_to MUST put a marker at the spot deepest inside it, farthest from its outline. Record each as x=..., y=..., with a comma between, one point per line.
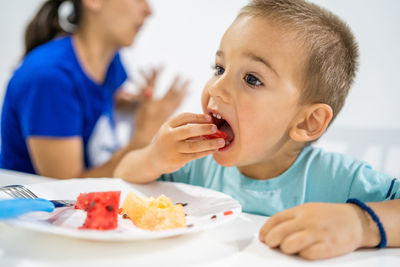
x=252, y=80
x=218, y=70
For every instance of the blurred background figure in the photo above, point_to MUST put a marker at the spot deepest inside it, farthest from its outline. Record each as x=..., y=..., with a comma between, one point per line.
x=58, y=116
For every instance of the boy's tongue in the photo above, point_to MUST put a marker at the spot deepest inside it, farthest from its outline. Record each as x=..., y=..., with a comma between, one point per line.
x=227, y=129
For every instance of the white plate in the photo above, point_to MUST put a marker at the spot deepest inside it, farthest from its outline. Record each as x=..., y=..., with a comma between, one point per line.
x=205, y=209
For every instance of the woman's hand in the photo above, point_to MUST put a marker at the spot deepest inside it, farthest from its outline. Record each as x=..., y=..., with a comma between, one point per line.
x=152, y=113
x=130, y=101
x=320, y=230
x=179, y=141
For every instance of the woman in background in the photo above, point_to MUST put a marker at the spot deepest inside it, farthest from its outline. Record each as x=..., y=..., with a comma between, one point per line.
x=58, y=112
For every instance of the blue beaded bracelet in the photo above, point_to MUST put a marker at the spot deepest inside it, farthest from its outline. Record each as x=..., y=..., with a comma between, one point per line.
x=374, y=217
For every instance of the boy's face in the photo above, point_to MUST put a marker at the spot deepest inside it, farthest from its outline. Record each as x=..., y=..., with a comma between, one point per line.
x=255, y=88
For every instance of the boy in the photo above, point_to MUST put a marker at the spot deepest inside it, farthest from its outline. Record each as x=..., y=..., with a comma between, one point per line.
x=282, y=73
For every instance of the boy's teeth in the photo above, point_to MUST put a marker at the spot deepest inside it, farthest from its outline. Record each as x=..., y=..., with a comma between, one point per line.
x=217, y=116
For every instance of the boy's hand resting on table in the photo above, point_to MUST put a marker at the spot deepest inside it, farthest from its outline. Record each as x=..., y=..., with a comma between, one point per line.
x=177, y=142
x=320, y=230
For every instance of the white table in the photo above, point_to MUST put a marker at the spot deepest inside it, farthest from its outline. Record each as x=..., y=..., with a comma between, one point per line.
x=233, y=244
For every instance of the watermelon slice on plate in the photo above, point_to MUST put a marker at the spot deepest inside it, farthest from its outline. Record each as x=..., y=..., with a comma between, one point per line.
x=102, y=209
x=82, y=202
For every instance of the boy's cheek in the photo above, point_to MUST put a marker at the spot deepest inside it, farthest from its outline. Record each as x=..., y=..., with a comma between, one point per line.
x=205, y=98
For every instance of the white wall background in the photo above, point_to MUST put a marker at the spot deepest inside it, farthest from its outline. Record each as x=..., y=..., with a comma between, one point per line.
x=183, y=35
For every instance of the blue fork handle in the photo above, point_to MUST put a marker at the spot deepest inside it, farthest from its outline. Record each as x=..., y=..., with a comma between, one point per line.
x=11, y=208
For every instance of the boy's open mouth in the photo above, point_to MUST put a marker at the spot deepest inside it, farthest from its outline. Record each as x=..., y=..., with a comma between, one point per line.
x=224, y=126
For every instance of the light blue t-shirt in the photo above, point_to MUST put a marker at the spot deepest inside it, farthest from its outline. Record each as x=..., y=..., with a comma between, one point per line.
x=315, y=176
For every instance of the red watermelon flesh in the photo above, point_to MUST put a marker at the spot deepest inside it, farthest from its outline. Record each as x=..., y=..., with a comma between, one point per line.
x=82, y=202
x=102, y=210
x=217, y=134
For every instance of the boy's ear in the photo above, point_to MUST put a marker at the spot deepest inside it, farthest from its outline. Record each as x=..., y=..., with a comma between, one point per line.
x=312, y=123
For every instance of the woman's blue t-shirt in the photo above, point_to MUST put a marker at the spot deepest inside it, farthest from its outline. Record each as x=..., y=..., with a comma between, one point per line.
x=51, y=96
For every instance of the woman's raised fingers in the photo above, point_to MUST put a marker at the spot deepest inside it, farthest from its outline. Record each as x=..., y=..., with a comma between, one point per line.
x=178, y=87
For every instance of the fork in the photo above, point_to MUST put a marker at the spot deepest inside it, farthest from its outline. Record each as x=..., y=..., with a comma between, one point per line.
x=26, y=201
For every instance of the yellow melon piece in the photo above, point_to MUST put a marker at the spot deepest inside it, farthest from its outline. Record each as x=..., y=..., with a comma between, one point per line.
x=154, y=214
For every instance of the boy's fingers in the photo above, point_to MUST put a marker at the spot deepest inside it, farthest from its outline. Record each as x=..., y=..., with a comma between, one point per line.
x=186, y=118
x=193, y=130
x=297, y=242
x=201, y=146
x=193, y=156
x=319, y=250
x=273, y=221
x=278, y=233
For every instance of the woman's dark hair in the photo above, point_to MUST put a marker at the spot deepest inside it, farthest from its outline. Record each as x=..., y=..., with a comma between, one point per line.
x=45, y=24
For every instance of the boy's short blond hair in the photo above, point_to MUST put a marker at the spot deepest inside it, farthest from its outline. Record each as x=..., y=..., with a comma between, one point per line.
x=331, y=50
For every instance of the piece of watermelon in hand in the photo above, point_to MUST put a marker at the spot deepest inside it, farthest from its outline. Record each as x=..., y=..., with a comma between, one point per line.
x=102, y=210
x=217, y=134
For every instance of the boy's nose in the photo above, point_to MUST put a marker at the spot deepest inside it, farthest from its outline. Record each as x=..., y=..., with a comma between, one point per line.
x=219, y=88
